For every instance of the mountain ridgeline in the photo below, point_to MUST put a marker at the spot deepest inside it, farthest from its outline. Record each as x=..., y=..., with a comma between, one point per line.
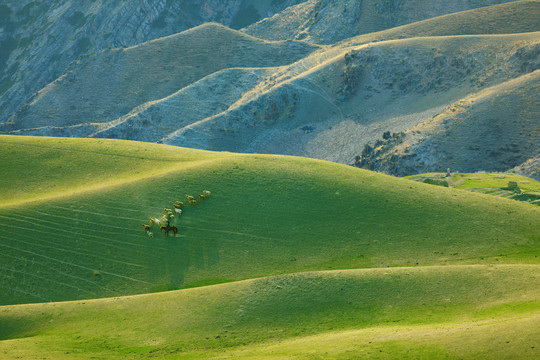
x=320, y=78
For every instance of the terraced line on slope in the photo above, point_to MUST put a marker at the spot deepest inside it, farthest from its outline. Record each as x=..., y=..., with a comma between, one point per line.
x=283, y=314
x=269, y=215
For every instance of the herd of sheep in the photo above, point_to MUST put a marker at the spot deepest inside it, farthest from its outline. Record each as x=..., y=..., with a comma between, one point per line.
x=164, y=222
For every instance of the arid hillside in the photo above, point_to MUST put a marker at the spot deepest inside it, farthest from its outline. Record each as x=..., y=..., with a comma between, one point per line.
x=329, y=92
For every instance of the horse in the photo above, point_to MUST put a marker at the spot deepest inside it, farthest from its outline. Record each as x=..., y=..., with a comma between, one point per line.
x=167, y=228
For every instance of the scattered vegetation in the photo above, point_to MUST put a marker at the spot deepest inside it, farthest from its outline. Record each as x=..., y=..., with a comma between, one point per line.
x=507, y=185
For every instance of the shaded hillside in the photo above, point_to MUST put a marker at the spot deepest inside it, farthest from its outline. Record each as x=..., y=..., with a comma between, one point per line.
x=437, y=312
x=530, y=168
x=38, y=39
x=107, y=85
x=329, y=21
x=492, y=130
x=508, y=18
x=77, y=233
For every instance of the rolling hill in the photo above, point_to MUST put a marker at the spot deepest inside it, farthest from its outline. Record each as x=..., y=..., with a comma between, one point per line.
x=328, y=107
x=330, y=21
x=492, y=130
x=422, y=262
x=295, y=98
x=109, y=84
x=38, y=40
x=110, y=250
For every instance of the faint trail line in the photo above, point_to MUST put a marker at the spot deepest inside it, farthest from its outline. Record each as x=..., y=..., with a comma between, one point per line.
x=96, y=255
x=49, y=268
x=24, y=292
x=234, y=233
x=94, y=213
x=75, y=265
x=50, y=280
x=107, y=240
x=71, y=220
x=109, y=185
x=83, y=237
x=116, y=208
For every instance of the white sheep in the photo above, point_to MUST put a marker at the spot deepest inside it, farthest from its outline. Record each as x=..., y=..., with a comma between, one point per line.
x=178, y=211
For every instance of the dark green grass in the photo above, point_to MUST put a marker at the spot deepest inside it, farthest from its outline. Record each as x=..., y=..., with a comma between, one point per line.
x=269, y=215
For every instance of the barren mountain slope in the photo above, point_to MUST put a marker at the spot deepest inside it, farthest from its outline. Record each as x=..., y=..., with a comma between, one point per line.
x=328, y=21
x=38, y=39
x=492, y=130
x=530, y=168
x=331, y=110
x=107, y=85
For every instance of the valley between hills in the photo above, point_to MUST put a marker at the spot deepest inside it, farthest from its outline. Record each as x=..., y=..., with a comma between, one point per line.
x=348, y=179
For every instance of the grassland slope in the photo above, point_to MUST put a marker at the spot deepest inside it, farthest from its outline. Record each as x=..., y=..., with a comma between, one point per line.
x=434, y=312
x=508, y=185
x=38, y=40
x=268, y=215
x=326, y=103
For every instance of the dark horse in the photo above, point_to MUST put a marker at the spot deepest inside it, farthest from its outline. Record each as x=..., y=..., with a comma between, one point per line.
x=174, y=229
x=168, y=228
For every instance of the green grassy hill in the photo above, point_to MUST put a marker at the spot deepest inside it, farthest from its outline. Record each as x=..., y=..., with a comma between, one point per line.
x=480, y=312
x=506, y=185
x=422, y=262
x=78, y=235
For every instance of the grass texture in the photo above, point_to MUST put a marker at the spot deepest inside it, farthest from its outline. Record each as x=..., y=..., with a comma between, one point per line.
x=428, y=266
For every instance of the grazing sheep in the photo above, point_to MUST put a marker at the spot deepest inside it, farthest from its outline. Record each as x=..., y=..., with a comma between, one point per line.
x=207, y=193
x=164, y=219
x=168, y=212
x=150, y=234
x=178, y=205
x=202, y=197
x=190, y=198
x=193, y=202
x=178, y=211
x=146, y=227
x=154, y=221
